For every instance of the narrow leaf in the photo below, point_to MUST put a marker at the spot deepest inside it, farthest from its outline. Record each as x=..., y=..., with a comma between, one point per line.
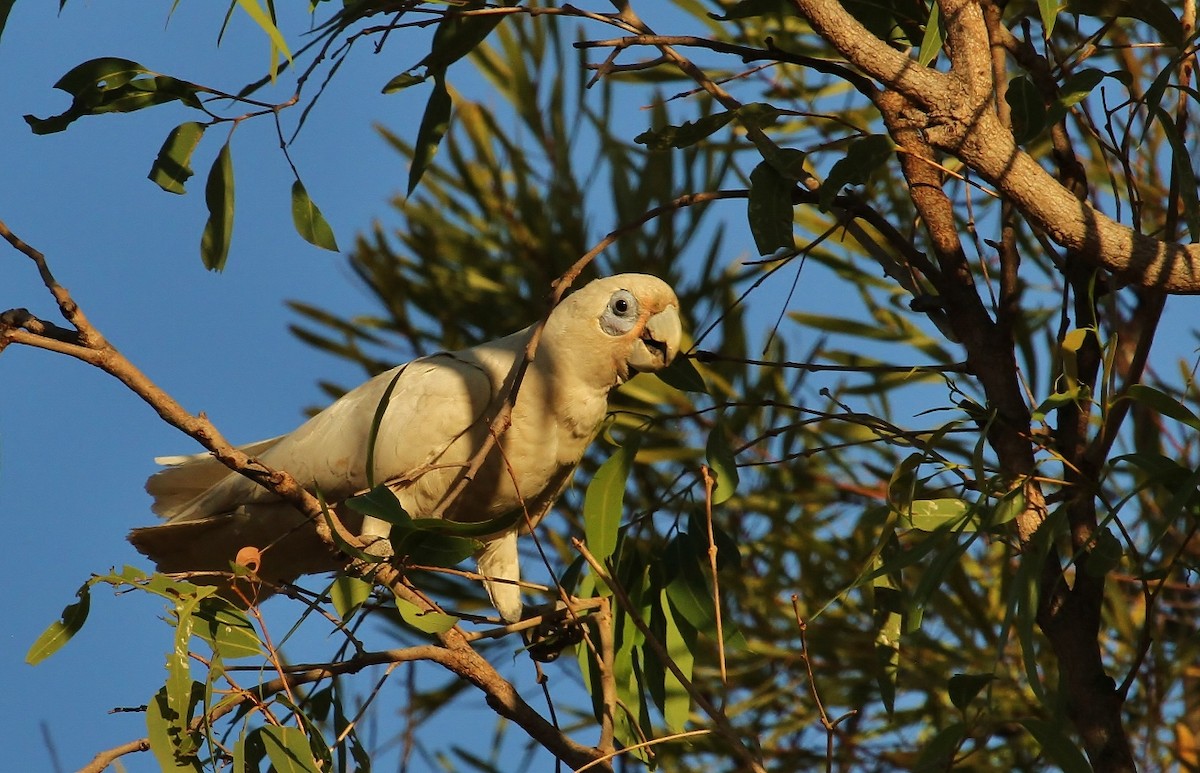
x=433, y=548
x=434, y=124
x=769, y=210
x=310, y=223
x=218, y=196
x=288, y=749
x=1163, y=403
x=680, y=641
x=963, y=688
x=685, y=135
x=931, y=43
x=265, y=21
x=1058, y=747
x=722, y=462
x=348, y=594
x=165, y=744
x=429, y=622
x=173, y=167
x=602, y=504
x=60, y=632
x=402, y=81
x=863, y=157
x=226, y=629
x=456, y=36
x=682, y=375
x=5, y=7
x=1028, y=109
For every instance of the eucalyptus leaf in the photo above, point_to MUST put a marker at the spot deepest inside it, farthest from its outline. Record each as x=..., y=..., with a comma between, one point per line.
x=218, y=196
x=309, y=222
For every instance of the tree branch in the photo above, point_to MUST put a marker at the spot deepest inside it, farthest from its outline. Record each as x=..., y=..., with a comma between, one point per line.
x=970, y=129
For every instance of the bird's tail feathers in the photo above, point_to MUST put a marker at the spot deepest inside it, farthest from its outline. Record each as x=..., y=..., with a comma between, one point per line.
x=288, y=545
x=185, y=479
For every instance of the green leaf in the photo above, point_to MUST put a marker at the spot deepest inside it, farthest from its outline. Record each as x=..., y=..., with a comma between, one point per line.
x=5, y=7
x=682, y=375
x=88, y=83
x=402, y=81
x=745, y=9
x=1105, y=555
x=1049, y=10
x=934, y=514
x=769, y=210
x=686, y=135
x=1156, y=13
x=680, y=641
x=348, y=594
x=456, y=36
x=266, y=21
x=373, y=433
x=938, y=754
x=106, y=72
x=434, y=124
x=60, y=631
x=432, y=548
x=165, y=744
x=179, y=675
x=1080, y=83
x=722, y=463
x=1028, y=109
x=1163, y=403
x=288, y=749
x=173, y=168
x=1057, y=746
x=310, y=223
x=1181, y=161
x=963, y=688
x=429, y=622
x=602, y=503
x=931, y=43
x=218, y=196
x=226, y=629
x=863, y=157
x=380, y=502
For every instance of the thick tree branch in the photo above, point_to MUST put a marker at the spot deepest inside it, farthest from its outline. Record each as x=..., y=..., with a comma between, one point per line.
x=970, y=130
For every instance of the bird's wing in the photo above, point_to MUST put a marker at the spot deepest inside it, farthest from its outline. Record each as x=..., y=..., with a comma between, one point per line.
x=433, y=401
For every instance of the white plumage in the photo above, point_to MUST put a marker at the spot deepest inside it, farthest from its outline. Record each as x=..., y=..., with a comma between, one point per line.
x=436, y=418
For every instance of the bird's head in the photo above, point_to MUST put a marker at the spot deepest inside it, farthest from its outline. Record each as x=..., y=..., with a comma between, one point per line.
x=631, y=318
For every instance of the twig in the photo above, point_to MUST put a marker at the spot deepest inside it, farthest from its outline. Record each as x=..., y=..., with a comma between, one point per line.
x=642, y=745
x=608, y=681
x=706, y=474
x=830, y=727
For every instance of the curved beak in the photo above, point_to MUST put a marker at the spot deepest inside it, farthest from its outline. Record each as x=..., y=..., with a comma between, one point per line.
x=659, y=342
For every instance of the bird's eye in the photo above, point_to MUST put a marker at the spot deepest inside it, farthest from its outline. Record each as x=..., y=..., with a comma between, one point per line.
x=620, y=315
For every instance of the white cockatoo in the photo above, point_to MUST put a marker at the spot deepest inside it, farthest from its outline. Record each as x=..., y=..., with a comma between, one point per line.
x=436, y=417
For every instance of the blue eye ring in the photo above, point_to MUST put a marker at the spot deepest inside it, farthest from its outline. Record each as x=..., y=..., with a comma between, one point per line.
x=620, y=314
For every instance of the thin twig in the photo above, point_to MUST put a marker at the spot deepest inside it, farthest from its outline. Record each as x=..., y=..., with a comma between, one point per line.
x=642, y=745
x=706, y=474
